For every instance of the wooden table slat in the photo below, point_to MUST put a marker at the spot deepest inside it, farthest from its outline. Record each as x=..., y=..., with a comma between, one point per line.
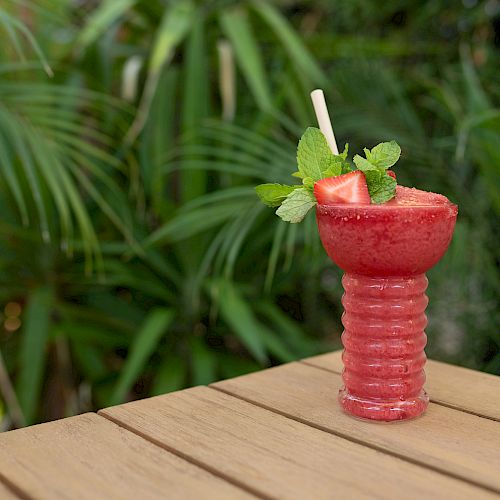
x=89, y=457
x=454, y=386
x=446, y=439
x=278, y=456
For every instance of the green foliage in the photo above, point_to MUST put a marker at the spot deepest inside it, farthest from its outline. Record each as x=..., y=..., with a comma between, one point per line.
x=383, y=189
x=315, y=161
x=142, y=347
x=132, y=238
x=313, y=155
x=33, y=350
x=296, y=205
x=273, y=194
x=383, y=156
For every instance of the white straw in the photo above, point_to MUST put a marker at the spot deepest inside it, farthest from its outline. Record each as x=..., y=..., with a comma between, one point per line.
x=325, y=125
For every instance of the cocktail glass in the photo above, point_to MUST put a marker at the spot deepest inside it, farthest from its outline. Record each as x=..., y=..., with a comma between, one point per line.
x=384, y=251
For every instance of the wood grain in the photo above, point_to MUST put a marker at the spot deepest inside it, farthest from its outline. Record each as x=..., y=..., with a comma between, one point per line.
x=448, y=440
x=453, y=386
x=89, y=457
x=276, y=456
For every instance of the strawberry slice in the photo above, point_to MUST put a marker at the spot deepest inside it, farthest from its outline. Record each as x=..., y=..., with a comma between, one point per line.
x=346, y=188
x=391, y=173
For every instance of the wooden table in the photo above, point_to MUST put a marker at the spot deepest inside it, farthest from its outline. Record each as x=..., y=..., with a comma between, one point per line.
x=278, y=433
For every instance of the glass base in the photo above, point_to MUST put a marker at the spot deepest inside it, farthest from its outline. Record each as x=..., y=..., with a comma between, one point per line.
x=383, y=410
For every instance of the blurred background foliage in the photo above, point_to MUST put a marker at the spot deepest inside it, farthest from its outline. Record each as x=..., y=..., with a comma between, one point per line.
x=135, y=258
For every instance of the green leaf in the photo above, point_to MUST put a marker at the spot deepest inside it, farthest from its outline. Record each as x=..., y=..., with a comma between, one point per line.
x=364, y=165
x=273, y=195
x=10, y=23
x=338, y=167
x=292, y=42
x=308, y=183
x=373, y=177
x=333, y=170
x=381, y=186
x=174, y=25
x=89, y=360
x=296, y=205
x=278, y=236
x=11, y=176
x=277, y=347
x=340, y=164
x=203, y=363
x=385, y=154
x=171, y=376
x=158, y=136
x=141, y=349
x=196, y=219
x=101, y=19
x=235, y=24
x=239, y=316
x=344, y=153
x=33, y=350
x=346, y=167
x=313, y=154
x=382, y=190
x=289, y=329
x=173, y=28
x=195, y=102
x=233, y=365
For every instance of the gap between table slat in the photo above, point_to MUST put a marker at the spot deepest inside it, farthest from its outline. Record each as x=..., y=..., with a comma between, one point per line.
x=246, y=442
x=316, y=405
x=432, y=400
x=88, y=457
x=9, y=491
x=473, y=392
x=184, y=456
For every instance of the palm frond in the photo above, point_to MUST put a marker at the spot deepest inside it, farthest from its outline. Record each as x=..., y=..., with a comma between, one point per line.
x=53, y=156
x=14, y=27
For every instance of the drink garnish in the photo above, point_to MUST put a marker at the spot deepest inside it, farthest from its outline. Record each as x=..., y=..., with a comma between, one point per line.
x=329, y=178
x=347, y=188
x=381, y=185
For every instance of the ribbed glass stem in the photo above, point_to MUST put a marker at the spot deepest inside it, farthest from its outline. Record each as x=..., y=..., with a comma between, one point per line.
x=384, y=342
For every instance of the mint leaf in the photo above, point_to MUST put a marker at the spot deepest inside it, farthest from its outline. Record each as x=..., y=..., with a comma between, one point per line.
x=368, y=155
x=373, y=177
x=334, y=169
x=313, y=154
x=381, y=186
x=346, y=167
x=343, y=155
x=308, y=183
x=274, y=194
x=339, y=165
x=385, y=154
x=296, y=205
x=381, y=190
x=363, y=164
x=316, y=161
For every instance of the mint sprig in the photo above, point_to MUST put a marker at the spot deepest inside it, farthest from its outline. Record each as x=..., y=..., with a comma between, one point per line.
x=273, y=195
x=383, y=190
x=385, y=154
x=316, y=161
x=296, y=205
x=381, y=186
